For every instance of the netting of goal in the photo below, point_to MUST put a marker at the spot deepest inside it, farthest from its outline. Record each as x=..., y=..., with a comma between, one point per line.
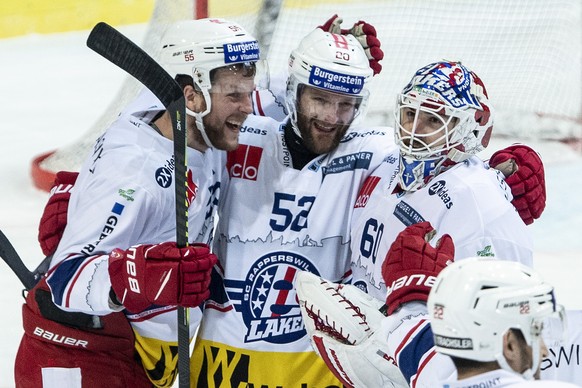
x=528, y=53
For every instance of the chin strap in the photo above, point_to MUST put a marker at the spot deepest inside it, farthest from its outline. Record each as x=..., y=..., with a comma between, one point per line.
x=200, y=125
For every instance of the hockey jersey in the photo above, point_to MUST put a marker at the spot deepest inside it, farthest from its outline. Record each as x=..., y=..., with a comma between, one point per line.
x=409, y=334
x=500, y=379
x=469, y=202
x=564, y=360
x=275, y=221
x=124, y=196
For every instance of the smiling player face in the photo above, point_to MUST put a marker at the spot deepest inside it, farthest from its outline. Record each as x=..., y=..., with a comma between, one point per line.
x=323, y=117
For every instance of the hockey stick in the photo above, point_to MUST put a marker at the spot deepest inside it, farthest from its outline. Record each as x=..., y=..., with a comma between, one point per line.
x=115, y=47
x=10, y=256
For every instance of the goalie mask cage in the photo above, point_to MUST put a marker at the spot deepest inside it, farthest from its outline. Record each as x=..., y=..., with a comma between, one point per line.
x=528, y=54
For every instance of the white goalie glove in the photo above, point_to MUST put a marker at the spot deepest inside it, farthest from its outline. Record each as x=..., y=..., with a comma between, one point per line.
x=347, y=331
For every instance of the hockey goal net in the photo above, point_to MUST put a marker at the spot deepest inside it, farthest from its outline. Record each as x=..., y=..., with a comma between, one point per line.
x=529, y=54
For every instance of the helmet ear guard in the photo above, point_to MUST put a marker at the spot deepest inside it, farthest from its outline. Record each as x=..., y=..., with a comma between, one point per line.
x=497, y=296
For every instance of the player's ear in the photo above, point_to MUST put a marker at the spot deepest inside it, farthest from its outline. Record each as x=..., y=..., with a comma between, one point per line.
x=194, y=99
x=512, y=349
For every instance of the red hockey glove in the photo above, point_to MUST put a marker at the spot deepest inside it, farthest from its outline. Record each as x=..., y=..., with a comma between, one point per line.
x=333, y=25
x=161, y=274
x=412, y=264
x=524, y=172
x=54, y=218
x=365, y=33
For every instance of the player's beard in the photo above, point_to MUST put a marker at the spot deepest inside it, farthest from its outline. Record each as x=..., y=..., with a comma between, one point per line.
x=316, y=140
x=224, y=134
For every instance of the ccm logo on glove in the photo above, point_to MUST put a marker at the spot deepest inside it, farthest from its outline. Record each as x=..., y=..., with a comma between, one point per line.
x=407, y=280
x=161, y=274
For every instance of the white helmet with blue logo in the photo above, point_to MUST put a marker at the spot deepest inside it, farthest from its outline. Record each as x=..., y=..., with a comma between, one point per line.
x=454, y=99
x=331, y=62
x=197, y=47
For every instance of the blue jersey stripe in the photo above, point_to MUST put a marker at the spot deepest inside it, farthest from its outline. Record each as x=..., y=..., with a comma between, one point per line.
x=411, y=354
x=62, y=276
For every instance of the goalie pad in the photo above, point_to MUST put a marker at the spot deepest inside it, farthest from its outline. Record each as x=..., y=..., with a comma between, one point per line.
x=347, y=331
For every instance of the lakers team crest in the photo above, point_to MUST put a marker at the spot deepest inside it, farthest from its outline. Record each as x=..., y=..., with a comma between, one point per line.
x=269, y=304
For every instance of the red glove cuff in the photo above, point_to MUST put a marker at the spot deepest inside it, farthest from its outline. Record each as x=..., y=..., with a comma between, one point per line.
x=54, y=217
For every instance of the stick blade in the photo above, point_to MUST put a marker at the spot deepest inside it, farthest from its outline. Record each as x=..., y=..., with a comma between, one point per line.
x=119, y=50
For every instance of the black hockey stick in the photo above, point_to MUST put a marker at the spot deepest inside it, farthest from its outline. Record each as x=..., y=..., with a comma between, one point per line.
x=10, y=256
x=114, y=46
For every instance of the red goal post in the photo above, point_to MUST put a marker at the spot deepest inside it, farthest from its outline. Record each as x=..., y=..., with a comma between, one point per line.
x=528, y=53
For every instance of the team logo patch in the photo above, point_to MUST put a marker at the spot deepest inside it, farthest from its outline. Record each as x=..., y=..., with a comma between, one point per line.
x=244, y=162
x=269, y=304
x=241, y=52
x=336, y=82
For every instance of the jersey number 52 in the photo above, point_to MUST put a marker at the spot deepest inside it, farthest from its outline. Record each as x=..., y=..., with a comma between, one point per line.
x=288, y=211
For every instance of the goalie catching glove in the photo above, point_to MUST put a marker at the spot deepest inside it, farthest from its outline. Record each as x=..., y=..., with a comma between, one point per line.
x=365, y=33
x=346, y=330
x=161, y=274
x=524, y=173
x=411, y=265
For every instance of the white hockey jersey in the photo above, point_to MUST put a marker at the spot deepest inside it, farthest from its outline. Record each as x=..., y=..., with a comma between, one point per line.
x=409, y=336
x=469, y=202
x=501, y=378
x=275, y=221
x=124, y=196
x=564, y=361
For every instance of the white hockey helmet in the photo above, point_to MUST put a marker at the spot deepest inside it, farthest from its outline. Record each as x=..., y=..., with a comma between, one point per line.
x=475, y=301
x=332, y=62
x=455, y=97
x=196, y=47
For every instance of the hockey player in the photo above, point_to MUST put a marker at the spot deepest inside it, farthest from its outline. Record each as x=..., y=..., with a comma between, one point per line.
x=493, y=329
x=443, y=118
x=281, y=168
x=287, y=209
x=487, y=314
x=105, y=315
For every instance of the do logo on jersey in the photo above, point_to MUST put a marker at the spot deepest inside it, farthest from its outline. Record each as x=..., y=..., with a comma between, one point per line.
x=244, y=162
x=269, y=304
